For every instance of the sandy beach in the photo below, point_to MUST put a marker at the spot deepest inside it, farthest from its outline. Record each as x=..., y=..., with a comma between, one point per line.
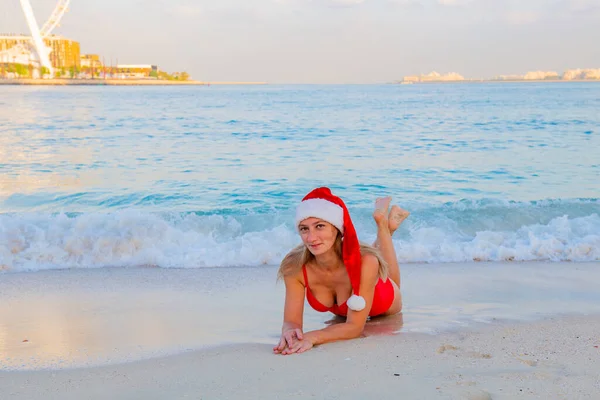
x=128, y=333
x=554, y=359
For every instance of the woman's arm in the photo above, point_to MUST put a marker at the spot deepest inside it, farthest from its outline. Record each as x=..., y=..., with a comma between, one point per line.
x=355, y=322
x=293, y=312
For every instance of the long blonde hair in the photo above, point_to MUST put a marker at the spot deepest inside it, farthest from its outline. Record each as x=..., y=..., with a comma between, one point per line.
x=300, y=255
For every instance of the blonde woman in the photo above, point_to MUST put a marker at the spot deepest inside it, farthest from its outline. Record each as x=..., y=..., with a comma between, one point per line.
x=336, y=273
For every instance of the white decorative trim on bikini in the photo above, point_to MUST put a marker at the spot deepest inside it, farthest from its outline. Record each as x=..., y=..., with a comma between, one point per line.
x=356, y=303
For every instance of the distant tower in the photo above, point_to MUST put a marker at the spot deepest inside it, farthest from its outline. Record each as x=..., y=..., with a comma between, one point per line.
x=42, y=52
x=38, y=41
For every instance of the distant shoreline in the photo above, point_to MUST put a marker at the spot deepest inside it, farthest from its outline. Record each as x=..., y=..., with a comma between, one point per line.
x=499, y=81
x=153, y=82
x=116, y=82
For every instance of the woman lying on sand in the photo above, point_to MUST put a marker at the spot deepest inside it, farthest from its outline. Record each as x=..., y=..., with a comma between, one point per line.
x=344, y=277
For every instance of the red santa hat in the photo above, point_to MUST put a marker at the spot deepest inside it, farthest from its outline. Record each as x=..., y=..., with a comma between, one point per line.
x=321, y=203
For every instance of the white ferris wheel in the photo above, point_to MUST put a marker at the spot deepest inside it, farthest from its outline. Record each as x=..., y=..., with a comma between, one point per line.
x=36, y=45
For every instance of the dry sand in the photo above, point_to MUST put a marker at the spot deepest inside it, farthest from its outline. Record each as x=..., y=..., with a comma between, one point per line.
x=554, y=359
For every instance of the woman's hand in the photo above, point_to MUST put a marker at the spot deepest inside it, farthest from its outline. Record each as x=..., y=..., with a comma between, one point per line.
x=288, y=339
x=299, y=347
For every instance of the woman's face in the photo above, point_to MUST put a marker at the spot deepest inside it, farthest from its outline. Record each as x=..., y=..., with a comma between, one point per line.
x=317, y=235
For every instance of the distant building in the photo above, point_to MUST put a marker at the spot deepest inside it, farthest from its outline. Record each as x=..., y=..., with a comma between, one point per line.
x=64, y=53
x=508, y=78
x=434, y=77
x=572, y=74
x=411, y=79
x=540, y=75
x=136, y=70
x=90, y=61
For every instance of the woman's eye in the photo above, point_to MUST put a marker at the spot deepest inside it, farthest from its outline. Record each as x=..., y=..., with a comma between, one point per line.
x=321, y=226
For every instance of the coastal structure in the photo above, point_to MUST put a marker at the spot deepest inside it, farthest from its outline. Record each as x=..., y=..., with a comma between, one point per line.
x=45, y=55
x=62, y=52
x=91, y=61
x=18, y=57
x=507, y=78
x=589, y=74
x=433, y=77
x=577, y=74
x=25, y=58
x=136, y=70
x=36, y=49
x=541, y=75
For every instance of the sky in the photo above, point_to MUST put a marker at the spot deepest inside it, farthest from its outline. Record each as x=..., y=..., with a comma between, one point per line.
x=330, y=41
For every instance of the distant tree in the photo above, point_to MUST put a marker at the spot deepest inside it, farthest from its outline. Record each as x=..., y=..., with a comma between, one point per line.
x=21, y=70
x=175, y=76
x=45, y=71
x=73, y=70
x=164, y=75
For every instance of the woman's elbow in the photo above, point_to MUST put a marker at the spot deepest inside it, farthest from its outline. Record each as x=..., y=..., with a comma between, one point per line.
x=354, y=331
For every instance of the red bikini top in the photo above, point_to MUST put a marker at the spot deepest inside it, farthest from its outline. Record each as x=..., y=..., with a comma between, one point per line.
x=316, y=304
x=383, y=298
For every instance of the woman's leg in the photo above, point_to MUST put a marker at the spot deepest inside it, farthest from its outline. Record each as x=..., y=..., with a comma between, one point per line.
x=386, y=226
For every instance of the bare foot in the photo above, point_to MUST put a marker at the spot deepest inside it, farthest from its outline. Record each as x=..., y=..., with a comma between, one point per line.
x=381, y=209
x=397, y=216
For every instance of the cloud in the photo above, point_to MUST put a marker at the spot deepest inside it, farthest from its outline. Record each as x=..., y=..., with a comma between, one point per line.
x=187, y=11
x=513, y=12
x=322, y=2
x=453, y=2
x=348, y=2
x=522, y=18
x=582, y=5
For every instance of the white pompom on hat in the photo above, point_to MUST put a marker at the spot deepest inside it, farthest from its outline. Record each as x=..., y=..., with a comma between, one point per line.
x=321, y=203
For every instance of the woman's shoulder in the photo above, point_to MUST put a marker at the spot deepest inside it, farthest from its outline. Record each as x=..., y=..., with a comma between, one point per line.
x=370, y=264
x=296, y=274
x=369, y=259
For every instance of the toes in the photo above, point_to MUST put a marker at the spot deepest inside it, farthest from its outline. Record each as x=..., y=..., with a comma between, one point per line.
x=397, y=212
x=396, y=217
x=382, y=204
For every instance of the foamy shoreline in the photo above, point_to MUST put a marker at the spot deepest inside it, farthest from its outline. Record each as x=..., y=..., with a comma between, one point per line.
x=552, y=359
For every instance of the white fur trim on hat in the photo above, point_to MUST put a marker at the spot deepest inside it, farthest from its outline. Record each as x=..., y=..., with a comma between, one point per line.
x=323, y=209
x=356, y=303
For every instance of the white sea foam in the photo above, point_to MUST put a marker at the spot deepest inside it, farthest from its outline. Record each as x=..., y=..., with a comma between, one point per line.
x=562, y=239
x=132, y=238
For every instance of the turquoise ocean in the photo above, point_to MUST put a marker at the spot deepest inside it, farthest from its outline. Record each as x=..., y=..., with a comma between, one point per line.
x=191, y=192
x=209, y=176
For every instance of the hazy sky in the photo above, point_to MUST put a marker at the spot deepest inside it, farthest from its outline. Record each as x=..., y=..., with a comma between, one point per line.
x=330, y=41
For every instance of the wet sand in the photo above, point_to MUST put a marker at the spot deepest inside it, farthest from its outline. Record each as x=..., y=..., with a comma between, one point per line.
x=553, y=359
x=468, y=331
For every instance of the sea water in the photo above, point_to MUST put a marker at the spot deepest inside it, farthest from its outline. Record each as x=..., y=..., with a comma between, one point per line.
x=209, y=176
x=200, y=184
